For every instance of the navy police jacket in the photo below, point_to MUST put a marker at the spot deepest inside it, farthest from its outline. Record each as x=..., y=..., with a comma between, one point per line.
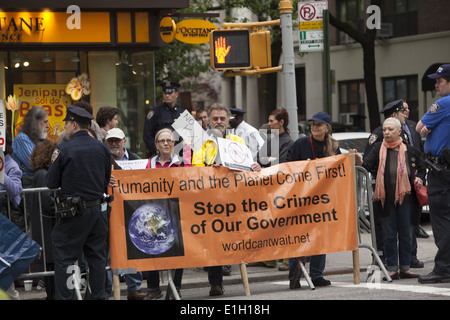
x=81, y=167
x=162, y=116
x=377, y=136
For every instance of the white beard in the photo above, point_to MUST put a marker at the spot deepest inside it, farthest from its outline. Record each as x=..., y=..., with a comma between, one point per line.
x=43, y=134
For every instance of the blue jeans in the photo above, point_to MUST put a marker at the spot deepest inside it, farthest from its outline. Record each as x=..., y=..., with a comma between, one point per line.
x=316, y=267
x=397, y=227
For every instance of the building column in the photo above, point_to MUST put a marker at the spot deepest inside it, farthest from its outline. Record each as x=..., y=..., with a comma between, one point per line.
x=252, y=102
x=225, y=92
x=102, y=74
x=239, y=89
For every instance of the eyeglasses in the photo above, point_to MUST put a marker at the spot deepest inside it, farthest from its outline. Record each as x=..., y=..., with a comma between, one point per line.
x=164, y=141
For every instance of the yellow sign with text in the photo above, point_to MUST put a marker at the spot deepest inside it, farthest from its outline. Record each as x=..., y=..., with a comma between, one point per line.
x=194, y=31
x=193, y=217
x=311, y=25
x=51, y=27
x=167, y=29
x=52, y=97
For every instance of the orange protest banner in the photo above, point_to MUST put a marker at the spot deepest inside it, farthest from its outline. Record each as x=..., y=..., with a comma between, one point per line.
x=194, y=217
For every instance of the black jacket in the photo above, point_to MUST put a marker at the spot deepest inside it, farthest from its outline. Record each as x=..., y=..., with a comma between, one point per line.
x=81, y=167
x=162, y=116
x=305, y=148
x=415, y=162
x=285, y=142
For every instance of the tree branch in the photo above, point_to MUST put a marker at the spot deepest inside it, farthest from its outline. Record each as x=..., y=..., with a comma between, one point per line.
x=348, y=29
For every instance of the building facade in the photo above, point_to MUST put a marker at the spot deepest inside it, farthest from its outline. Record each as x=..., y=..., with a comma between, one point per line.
x=111, y=44
x=413, y=40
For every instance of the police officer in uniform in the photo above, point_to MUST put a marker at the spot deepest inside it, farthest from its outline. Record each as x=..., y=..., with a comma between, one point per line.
x=436, y=123
x=163, y=115
x=393, y=109
x=81, y=167
x=250, y=134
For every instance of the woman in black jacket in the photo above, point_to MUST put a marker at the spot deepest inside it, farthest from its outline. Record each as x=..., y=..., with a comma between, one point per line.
x=319, y=144
x=397, y=167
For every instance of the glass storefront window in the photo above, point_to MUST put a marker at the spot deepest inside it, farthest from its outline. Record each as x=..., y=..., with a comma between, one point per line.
x=134, y=91
x=42, y=67
x=39, y=78
x=135, y=96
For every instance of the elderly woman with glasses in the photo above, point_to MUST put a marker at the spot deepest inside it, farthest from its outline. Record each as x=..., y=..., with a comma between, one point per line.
x=165, y=158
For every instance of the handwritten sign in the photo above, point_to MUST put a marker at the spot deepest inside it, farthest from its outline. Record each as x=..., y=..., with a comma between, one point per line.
x=132, y=164
x=235, y=155
x=191, y=131
x=2, y=126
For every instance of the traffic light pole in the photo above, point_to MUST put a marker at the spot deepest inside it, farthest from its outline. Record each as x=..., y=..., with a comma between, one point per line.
x=288, y=72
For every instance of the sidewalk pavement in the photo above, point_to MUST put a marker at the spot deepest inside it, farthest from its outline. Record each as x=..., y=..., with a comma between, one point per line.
x=337, y=263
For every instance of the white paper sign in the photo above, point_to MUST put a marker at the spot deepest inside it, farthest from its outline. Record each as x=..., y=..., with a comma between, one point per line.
x=132, y=164
x=2, y=167
x=235, y=155
x=191, y=131
x=2, y=126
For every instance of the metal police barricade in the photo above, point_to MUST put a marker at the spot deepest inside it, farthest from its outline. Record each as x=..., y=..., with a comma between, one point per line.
x=15, y=215
x=367, y=223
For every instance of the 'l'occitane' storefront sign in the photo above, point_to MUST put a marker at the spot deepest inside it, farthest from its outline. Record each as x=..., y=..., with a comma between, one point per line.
x=51, y=27
x=194, y=31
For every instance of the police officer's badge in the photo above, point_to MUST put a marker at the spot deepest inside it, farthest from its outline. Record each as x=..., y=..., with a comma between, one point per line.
x=372, y=138
x=434, y=108
x=150, y=114
x=55, y=154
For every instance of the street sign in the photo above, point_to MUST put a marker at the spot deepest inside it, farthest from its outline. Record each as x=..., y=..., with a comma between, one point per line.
x=310, y=15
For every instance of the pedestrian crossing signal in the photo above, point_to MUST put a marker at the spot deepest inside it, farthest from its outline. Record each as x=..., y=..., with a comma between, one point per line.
x=230, y=49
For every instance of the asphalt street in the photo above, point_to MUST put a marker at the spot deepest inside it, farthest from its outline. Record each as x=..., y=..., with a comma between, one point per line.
x=271, y=284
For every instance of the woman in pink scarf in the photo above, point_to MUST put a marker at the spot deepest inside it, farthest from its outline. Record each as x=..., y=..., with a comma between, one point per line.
x=397, y=167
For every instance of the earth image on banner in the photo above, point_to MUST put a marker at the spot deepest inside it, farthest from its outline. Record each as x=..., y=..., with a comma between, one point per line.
x=153, y=229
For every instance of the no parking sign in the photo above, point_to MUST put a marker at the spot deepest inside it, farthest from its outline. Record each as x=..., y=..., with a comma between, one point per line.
x=310, y=16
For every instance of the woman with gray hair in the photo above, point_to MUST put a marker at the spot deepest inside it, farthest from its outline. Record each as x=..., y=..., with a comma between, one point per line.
x=164, y=141
x=396, y=167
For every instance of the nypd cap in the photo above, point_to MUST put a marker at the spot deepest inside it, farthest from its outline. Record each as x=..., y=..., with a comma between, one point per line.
x=78, y=114
x=169, y=86
x=236, y=112
x=442, y=72
x=392, y=107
